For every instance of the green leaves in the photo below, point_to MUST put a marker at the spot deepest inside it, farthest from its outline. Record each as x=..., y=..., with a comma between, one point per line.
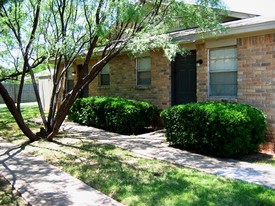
x=215, y=128
x=114, y=114
x=58, y=34
x=67, y=27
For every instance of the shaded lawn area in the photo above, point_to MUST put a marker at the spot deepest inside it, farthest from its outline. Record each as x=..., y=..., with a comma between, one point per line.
x=8, y=196
x=260, y=158
x=9, y=129
x=133, y=180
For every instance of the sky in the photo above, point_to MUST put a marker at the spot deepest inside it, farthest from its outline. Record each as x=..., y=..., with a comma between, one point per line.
x=262, y=7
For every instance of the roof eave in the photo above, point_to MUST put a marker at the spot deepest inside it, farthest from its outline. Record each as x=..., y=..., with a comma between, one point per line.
x=237, y=30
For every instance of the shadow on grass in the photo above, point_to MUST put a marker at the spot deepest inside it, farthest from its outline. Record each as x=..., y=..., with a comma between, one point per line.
x=258, y=157
x=136, y=181
x=5, y=126
x=8, y=127
x=6, y=120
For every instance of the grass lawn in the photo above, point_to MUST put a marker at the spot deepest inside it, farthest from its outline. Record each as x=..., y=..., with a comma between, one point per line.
x=9, y=196
x=260, y=158
x=132, y=180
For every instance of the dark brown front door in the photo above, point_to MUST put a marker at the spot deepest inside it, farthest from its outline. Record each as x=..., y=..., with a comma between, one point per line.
x=184, y=79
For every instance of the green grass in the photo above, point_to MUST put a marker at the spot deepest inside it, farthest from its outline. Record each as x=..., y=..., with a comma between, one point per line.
x=8, y=128
x=267, y=162
x=260, y=158
x=9, y=196
x=137, y=181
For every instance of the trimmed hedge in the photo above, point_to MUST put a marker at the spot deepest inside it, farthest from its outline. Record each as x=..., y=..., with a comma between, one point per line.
x=215, y=128
x=113, y=114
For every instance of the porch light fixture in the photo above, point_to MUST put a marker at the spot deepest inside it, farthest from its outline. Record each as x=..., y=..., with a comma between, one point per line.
x=73, y=73
x=199, y=62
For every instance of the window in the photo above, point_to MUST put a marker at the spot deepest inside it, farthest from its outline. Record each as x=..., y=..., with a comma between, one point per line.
x=143, y=71
x=223, y=72
x=104, y=77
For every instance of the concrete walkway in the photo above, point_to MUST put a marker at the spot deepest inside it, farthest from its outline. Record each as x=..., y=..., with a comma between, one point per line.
x=153, y=145
x=42, y=184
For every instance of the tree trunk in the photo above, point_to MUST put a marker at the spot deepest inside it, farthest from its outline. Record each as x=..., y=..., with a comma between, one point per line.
x=16, y=114
x=38, y=99
x=63, y=111
x=59, y=119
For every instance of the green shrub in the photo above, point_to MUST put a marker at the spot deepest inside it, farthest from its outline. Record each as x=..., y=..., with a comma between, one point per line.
x=113, y=114
x=215, y=128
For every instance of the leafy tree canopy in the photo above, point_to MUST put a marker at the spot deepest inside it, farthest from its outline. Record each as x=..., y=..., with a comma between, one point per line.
x=44, y=34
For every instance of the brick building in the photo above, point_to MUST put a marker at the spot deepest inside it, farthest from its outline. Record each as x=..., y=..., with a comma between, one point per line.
x=237, y=65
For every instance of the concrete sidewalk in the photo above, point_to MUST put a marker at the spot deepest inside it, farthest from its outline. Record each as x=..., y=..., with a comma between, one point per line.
x=42, y=184
x=153, y=145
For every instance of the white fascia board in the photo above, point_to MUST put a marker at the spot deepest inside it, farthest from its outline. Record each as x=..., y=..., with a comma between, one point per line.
x=249, y=28
x=231, y=30
x=241, y=15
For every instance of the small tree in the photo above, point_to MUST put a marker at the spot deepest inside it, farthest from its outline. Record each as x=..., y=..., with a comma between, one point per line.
x=52, y=34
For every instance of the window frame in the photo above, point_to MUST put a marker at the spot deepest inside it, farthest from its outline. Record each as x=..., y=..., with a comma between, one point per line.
x=222, y=71
x=138, y=71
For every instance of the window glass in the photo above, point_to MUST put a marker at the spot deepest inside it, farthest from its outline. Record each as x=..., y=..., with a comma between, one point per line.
x=144, y=71
x=223, y=71
x=105, y=76
x=106, y=69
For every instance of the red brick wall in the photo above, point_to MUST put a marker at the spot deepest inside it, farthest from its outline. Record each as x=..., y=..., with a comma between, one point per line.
x=123, y=81
x=256, y=76
x=202, y=73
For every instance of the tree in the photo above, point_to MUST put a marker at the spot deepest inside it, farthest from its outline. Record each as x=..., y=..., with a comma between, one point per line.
x=52, y=34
